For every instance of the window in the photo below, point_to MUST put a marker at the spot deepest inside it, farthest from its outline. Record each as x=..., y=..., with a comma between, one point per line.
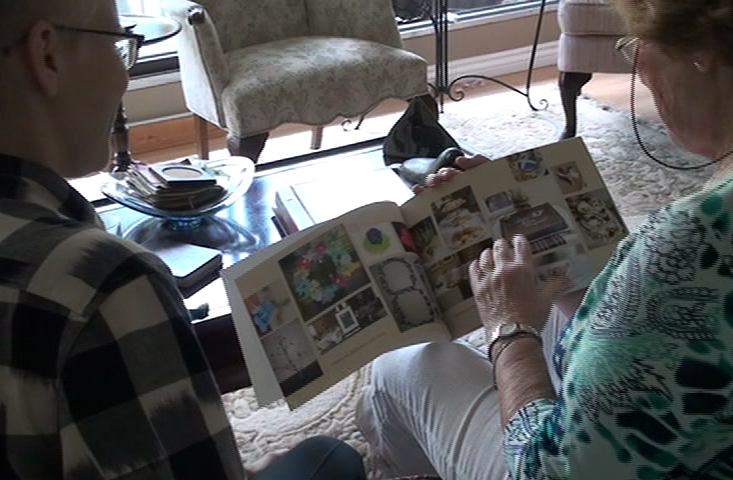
x=474, y=6
x=157, y=58
x=162, y=57
x=462, y=10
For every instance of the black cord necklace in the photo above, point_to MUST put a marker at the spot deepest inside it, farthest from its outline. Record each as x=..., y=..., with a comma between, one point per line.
x=638, y=137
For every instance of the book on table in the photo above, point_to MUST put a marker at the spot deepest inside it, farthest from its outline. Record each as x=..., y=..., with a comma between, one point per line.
x=302, y=205
x=327, y=300
x=192, y=266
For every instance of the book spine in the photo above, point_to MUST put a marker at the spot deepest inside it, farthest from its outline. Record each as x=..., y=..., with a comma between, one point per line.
x=291, y=212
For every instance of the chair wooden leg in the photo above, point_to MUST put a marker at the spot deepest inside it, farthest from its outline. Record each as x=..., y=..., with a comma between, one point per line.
x=571, y=83
x=202, y=137
x=317, y=138
x=250, y=147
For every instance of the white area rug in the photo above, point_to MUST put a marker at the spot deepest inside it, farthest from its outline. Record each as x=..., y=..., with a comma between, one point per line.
x=496, y=125
x=503, y=124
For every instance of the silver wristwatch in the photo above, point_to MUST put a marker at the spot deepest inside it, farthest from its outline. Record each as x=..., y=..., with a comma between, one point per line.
x=508, y=330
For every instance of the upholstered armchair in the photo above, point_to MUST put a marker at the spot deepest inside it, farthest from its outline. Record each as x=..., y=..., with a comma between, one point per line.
x=249, y=66
x=589, y=31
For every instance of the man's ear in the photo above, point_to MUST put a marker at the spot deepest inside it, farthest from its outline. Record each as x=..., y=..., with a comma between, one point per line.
x=42, y=50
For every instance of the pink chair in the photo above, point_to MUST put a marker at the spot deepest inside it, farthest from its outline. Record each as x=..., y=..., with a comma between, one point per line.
x=589, y=31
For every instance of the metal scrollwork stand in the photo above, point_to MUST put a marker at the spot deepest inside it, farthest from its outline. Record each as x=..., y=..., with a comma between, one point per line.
x=443, y=86
x=154, y=29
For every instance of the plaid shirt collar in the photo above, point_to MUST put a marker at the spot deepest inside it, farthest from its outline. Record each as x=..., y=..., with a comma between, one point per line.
x=36, y=184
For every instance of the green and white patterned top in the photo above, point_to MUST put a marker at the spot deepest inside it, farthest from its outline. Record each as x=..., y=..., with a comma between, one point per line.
x=647, y=360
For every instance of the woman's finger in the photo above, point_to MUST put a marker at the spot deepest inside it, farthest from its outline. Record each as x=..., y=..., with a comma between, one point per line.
x=446, y=174
x=486, y=261
x=502, y=252
x=467, y=163
x=522, y=249
x=441, y=177
x=474, y=272
x=448, y=171
x=431, y=180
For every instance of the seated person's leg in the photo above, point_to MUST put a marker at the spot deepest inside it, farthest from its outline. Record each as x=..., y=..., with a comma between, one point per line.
x=317, y=458
x=432, y=408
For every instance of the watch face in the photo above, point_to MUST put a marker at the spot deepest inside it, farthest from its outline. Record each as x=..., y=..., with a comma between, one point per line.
x=506, y=329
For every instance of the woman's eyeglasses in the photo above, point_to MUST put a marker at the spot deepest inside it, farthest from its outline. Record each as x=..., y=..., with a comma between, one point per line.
x=128, y=46
x=629, y=48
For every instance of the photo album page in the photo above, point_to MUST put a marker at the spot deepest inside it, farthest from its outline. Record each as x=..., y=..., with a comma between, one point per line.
x=326, y=301
x=553, y=195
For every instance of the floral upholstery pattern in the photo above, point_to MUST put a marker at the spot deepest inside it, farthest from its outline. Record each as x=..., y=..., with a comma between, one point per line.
x=315, y=79
x=252, y=65
x=202, y=62
x=368, y=20
x=242, y=23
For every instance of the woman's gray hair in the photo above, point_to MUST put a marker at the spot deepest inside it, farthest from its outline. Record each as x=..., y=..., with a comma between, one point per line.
x=16, y=16
x=682, y=27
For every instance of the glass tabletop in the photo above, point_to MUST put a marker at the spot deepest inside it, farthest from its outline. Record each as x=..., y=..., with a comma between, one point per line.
x=154, y=28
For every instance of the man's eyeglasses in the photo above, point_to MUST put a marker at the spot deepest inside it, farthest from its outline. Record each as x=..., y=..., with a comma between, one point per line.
x=128, y=46
x=629, y=48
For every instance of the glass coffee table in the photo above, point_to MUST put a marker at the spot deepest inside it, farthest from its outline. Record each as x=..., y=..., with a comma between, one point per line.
x=254, y=213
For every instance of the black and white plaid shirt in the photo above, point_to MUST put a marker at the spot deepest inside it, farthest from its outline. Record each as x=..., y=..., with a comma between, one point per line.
x=101, y=376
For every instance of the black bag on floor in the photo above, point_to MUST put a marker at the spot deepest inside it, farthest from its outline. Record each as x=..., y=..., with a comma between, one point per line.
x=419, y=143
x=416, y=134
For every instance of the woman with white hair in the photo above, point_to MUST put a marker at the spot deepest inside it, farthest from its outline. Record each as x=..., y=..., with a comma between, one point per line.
x=645, y=362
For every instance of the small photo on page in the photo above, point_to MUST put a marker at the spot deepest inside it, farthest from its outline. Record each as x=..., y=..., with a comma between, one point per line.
x=323, y=272
x=546, y=226
x=599, y=221
x=404, y=286
x=499, y=203
x=292, y=358
x=450, y=282
x=568, y=177
x=426, y=240
x=527, y=165
x=346, y=319
x=271, y=308
x=377, y=241
x=459, y=218
x=403, y=233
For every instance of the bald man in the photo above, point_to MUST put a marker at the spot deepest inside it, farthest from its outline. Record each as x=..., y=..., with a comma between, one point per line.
x=101, y=375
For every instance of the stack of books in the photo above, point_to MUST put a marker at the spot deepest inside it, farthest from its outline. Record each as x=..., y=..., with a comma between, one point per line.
x=174, y=186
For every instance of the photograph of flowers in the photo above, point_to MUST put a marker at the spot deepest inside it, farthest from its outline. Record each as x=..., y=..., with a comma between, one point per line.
x=323, y=271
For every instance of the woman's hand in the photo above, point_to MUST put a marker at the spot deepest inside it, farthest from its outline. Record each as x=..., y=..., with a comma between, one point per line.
x=503, y=284
x=445, y=175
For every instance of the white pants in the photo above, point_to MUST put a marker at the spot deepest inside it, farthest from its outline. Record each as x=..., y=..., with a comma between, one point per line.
x=433, y=408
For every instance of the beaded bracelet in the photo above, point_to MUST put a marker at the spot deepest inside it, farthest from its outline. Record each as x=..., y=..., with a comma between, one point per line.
x=508, y=341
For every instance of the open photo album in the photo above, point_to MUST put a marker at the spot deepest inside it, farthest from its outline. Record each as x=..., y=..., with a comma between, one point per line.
x=326, y=301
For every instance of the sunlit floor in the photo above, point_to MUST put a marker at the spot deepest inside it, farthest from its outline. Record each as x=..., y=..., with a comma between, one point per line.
x=611, y=89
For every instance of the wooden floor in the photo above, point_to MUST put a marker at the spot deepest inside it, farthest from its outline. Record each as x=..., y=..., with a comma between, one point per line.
x=611, y=89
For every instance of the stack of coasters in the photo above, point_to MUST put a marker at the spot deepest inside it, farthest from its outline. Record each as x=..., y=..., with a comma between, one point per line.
x=174, y=186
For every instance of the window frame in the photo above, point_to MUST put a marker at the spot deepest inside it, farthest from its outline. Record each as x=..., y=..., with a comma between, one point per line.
x=159, y=64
